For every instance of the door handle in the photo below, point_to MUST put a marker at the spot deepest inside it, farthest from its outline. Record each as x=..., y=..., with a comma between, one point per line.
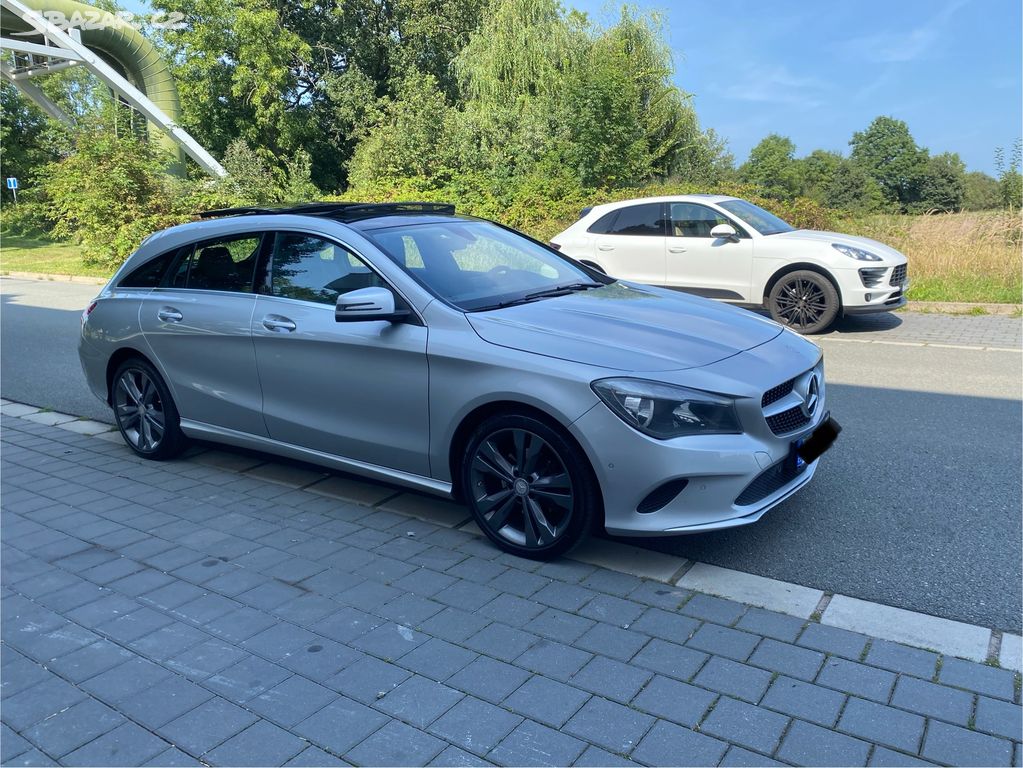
x=605, y=247
x=278, y=323
x=676, y=249
x=170, y=315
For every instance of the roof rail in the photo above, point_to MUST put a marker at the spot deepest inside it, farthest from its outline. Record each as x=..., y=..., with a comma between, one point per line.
x=341, y=211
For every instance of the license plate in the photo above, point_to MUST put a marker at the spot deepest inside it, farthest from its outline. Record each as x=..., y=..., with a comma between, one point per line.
x=813, y=447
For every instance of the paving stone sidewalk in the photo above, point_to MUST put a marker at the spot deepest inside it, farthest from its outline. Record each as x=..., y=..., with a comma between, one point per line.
x=991, y=331
x=181, y=613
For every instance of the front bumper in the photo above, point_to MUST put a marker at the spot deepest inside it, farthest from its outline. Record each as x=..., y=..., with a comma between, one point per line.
x=873, y=288
x=888, y=304
x=731, y=480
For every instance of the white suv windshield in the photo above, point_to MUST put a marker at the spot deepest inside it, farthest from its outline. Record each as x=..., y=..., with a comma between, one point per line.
x=477, y=265
x=763, y=222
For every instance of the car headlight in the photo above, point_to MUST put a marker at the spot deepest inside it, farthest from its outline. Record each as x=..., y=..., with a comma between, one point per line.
x=855, y=253
x=665, y=411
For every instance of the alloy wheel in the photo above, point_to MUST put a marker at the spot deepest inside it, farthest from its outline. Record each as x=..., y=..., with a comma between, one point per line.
x=521, y=488
x=801, y=303
x=139, y=410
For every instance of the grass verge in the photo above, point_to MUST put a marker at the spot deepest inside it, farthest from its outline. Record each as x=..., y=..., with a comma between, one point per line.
x=27, y=254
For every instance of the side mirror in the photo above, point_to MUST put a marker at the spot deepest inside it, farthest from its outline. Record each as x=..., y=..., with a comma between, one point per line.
x=726, y=231
x=367, y=304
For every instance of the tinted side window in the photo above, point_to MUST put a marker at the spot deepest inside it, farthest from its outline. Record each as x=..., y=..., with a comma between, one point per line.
x=603, y=225
x=312, y=269
x=646, y=219
x=693, y=220
x=222, y=265
x=150, y=274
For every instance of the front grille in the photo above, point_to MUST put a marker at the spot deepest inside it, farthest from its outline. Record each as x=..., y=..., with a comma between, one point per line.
x=774, y=394
x=788, y=421
x=872, y=276
x=898, y=275
x=769, y=481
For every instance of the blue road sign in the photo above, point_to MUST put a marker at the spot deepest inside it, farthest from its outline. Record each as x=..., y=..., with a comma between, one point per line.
x=12, y=182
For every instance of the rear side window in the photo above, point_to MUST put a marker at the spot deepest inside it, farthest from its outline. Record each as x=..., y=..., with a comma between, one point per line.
x=603, y=225
x=150, y=274
x=226, y=264
x=646, y=219
x=312, y=269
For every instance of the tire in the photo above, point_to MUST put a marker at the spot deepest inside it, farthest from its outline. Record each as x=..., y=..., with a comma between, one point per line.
x=136, y=381
x=804, y=301
x=531, y=490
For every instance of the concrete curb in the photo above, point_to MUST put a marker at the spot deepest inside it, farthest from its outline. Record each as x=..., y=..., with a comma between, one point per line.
x=42, y=276
x=933, y=344
x=884, y=622
x=963, y=307
x=760, y=591
x=954, y=638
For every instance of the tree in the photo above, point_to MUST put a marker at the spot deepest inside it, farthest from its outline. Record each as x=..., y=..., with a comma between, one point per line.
x=981, y=192
x=888, y=153
x=816, y=172
x=410, y=139
x=1010, y=182
x=540, y=95
x=272, y=73
x=853, y=189
x=22, y=135
x=942, y=184
x=772, y=167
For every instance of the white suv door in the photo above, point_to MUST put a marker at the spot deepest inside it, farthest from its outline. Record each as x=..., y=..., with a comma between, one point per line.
x=714, y=267
x=629, y=243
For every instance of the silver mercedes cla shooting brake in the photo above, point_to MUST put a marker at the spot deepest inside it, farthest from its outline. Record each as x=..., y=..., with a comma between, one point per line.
x=455, y=356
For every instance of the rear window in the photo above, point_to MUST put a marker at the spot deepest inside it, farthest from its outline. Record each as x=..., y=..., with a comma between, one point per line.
x=646, y=219
x=150, y=274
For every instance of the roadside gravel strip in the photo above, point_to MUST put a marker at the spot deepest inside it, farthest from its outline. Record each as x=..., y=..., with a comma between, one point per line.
x=945, y=636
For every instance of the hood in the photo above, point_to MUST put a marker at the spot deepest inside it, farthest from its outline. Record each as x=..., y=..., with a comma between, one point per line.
x=837, y=237
x=626, y=327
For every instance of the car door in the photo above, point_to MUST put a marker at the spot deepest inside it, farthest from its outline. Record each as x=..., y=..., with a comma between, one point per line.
x=715, y=267
x=359, y=390
x=629, y=243
x=197, y=325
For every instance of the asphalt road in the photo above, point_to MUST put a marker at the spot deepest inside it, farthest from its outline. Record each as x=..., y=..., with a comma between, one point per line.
x=918, y=504
x=39, y=324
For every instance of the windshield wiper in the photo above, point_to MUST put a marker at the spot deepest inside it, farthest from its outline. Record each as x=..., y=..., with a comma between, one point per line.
x=548, y=293
x=562, y=290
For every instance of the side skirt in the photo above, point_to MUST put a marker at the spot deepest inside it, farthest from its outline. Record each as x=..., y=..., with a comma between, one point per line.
x=201, y=431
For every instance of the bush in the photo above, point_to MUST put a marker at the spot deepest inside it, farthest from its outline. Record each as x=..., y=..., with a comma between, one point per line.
x=108, y=194
x=27, y=218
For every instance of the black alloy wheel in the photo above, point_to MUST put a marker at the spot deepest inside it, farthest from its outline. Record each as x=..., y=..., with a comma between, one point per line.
x=529, y=488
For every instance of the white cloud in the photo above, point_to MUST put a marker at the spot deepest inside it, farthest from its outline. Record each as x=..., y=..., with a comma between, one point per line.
x=901, y=46
x=778, y=86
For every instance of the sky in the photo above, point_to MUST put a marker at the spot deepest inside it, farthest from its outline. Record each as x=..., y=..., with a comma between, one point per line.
x=816, y=71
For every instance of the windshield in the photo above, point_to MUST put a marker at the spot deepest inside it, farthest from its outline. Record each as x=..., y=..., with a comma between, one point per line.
x=477, y=265
x=763, y=222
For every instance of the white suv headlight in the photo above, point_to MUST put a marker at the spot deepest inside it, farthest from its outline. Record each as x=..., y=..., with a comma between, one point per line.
x=665, y=411
x=855, y=253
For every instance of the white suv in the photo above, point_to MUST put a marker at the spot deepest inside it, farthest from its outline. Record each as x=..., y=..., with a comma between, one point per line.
x=726, y=248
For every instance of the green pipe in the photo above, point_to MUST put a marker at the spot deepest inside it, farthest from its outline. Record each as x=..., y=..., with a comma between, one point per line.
x=127, y=50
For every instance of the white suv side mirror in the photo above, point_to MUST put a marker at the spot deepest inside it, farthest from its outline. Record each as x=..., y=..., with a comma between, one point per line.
x=726, y=231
